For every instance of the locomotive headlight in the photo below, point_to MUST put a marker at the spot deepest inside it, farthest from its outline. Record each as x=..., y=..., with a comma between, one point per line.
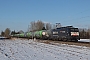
x=75, y=33
x=43, y=33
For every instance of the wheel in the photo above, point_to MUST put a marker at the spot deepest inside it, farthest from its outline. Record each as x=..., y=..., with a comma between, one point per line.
x=64, y=39
x=76, y=40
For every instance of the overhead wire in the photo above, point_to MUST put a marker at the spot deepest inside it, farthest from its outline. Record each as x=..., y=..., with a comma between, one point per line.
x=78, y=18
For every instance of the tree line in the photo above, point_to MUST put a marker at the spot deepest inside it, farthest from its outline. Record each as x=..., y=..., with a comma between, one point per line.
x=39, y=25
x=84, y=33
x=6, y=33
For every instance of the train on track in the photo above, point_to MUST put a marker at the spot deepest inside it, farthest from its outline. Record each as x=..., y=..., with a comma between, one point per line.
x=68, y=33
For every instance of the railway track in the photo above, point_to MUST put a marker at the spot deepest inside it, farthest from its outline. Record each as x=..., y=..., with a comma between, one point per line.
x=79, y=43
x=83, y=42
x=4, y=38
x=53, y=42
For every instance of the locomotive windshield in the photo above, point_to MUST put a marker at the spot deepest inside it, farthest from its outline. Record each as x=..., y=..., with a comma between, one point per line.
x=74, y=30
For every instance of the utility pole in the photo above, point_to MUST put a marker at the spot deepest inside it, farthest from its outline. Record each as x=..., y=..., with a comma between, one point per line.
x=58, y=25
x=28, y=28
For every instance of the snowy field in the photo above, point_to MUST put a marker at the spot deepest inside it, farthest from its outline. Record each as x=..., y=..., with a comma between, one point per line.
x=84, y=40
x=32, y=50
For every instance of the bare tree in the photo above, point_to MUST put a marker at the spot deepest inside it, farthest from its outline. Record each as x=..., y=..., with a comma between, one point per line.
x=7, y=32
x=39, y=25
x=32, y=26
x=84, y=33
x=89, y=33
x=2, y=33
x=48, y=26
x=35, y=26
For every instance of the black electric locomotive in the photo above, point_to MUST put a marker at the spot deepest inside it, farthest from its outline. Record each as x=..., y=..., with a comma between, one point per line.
x=68, y=33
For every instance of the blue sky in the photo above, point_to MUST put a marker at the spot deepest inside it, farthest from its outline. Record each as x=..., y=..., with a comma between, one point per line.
x=17, y=14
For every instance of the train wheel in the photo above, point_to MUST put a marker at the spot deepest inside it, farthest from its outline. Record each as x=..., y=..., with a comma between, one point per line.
x=64, y=39
x=76, y=40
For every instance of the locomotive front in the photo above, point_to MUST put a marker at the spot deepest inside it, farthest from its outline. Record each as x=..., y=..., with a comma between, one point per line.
x=74, y=34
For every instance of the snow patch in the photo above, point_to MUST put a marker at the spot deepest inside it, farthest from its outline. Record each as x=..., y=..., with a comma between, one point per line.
x=32, y=50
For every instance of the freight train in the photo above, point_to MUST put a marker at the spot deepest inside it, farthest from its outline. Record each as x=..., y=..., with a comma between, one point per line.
x=68, y=33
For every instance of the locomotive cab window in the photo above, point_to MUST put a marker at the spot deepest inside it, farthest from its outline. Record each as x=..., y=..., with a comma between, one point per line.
x=55, y=32
x=62, y=31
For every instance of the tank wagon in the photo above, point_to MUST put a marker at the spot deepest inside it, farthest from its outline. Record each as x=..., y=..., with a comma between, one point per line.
x=23, y=35
x=42, y=34
x=68, y=33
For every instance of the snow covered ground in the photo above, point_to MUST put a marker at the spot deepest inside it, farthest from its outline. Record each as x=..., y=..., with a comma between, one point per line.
x=32, y=50
x=85, y=40
x=2, y=37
